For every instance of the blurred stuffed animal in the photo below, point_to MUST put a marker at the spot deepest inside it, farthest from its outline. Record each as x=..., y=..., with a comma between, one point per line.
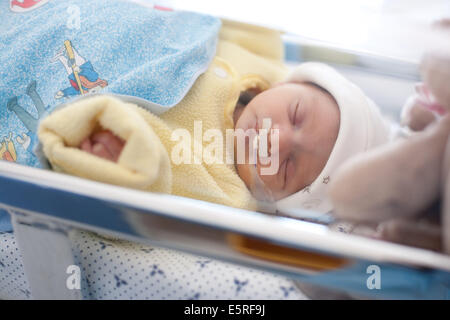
x=403, y=188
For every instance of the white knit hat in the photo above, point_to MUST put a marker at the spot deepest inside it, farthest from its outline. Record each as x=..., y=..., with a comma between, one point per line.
x=361, y=127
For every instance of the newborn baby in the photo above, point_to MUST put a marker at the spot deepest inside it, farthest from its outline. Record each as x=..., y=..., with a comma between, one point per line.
x=308, y=121
x=322, y=119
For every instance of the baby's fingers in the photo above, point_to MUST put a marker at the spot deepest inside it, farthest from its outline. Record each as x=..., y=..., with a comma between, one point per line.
x=100, y=151
x=86, y=145
x=96, y=149
x=112, y=144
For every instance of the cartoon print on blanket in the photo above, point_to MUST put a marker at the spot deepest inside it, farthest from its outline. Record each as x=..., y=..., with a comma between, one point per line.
x=8, y=149
x=81, y=74
x=21, y=6
x=27, y=119
x=83, y=79
x=28, y=140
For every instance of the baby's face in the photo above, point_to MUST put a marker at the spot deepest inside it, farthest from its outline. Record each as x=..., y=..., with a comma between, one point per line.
x=307, y=118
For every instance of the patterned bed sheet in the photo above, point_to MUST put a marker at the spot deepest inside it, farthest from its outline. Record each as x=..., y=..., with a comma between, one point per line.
x=127, y=270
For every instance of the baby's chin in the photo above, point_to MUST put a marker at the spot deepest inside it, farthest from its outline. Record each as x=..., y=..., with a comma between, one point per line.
x=245, y=172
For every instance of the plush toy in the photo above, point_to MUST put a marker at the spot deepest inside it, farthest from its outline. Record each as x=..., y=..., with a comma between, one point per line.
x=403, y=188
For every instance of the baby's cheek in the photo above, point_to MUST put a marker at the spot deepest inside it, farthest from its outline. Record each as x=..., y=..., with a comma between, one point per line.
x=244, y=173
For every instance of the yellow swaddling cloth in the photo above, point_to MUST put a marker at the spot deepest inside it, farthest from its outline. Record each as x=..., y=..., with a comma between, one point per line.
x=152, y=143
x=146, y=159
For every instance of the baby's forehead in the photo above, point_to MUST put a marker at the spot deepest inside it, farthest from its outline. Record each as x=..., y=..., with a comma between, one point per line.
x=279, y=97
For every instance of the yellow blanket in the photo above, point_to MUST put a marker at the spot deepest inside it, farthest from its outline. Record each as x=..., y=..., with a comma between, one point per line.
x=154, y=145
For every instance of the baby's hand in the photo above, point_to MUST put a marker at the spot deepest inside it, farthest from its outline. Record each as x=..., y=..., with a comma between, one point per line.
x=103, y=144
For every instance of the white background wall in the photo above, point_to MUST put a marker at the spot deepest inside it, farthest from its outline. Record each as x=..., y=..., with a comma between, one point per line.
x=395, y=28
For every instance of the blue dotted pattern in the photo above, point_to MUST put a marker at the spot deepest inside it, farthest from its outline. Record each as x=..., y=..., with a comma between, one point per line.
x=126, y=270
x=13, y=282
